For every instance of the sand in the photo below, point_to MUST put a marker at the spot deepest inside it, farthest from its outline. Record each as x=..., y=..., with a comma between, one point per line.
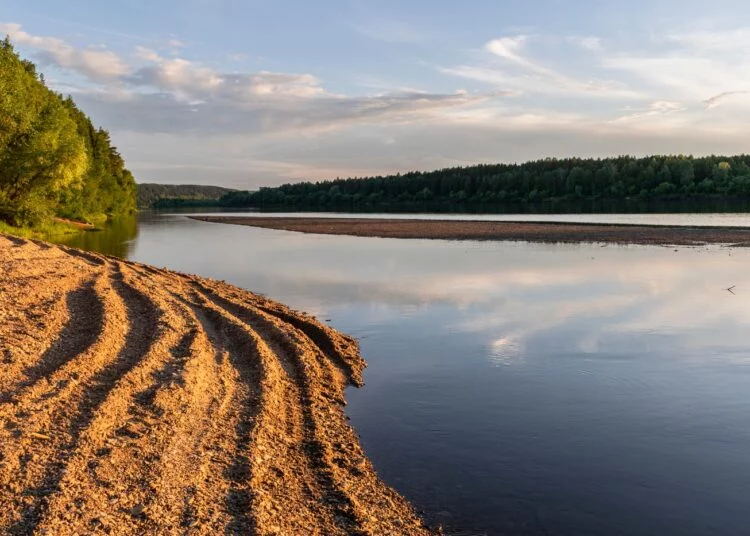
x=495, y=230
x=136, y=400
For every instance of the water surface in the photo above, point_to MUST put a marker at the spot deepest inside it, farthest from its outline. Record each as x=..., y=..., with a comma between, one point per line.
x=519, y=388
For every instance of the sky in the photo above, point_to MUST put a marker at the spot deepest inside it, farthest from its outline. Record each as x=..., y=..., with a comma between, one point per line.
x=245, y=93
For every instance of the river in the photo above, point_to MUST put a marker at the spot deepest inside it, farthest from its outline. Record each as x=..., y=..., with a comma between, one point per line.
x=518, y=388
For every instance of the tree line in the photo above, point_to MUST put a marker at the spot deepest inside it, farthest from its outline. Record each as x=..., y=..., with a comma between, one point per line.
x=53, y=160
x=551, y=179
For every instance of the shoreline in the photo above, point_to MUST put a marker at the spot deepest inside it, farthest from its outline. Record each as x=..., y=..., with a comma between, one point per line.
x=609, y=233
x=141, y=400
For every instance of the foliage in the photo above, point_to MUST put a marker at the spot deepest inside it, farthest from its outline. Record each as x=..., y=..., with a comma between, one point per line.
x=571, y=179
x=53, y=161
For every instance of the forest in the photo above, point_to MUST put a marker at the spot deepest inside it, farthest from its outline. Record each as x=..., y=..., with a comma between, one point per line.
x=53, y=161
x=549, y=180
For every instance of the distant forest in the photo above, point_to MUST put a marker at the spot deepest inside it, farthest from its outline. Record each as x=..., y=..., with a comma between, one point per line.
x=178, y=195
x=53, y=160
x=549, y=180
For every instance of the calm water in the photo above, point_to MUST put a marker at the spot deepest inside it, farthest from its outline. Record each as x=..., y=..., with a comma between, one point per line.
x=519, y=388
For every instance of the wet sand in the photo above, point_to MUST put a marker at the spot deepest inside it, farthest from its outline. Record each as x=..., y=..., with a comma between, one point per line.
x=136, y=400
x=495, y=230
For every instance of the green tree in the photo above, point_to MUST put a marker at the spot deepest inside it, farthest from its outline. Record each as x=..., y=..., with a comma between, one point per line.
x=52, y=159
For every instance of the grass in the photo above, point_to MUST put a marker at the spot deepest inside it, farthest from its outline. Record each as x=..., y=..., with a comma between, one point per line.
x=41, y=232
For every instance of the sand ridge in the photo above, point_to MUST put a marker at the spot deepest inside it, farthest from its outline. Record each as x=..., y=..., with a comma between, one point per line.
x=498, y=230
x=136, y=400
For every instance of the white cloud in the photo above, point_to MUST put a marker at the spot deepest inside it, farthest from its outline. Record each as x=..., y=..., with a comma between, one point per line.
x=95, y=63
x=178, y=75
x=294, y=85
x=508, y=48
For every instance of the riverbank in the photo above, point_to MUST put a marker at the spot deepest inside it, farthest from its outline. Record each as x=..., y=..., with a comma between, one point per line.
x=55, y=228
x=141, y=400
x=498, y=230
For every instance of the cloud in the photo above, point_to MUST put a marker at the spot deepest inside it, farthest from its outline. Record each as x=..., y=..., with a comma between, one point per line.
x=267, y=104
x=733, y=41
x=171, y=94
x=176, y=43
x=529, y=96
x=681, y=75
x=549, y=84
x=146, y=54
x=190, y=81
x=658, y=108
x=691, y=66
x=508, y=48
x=95, y=63
x=178, y=75
x=283, y=84
x=518, y=72
x=716, y=100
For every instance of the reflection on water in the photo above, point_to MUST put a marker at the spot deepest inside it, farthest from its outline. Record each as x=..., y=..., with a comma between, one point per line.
x=115, y=239
x=523, y=388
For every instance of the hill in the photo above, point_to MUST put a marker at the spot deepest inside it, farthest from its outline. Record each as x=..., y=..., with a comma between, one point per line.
x=151, y=195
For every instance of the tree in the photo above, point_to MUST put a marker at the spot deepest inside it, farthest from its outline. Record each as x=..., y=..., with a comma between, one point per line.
x=52, y=160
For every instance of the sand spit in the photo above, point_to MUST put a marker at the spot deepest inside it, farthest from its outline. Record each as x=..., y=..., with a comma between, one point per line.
x=499, y=230
x=142, y=401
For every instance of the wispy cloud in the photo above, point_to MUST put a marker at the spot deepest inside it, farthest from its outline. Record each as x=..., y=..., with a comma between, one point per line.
x=516, y=70
x=716, y=100
x=692, y=66
x=658, y=108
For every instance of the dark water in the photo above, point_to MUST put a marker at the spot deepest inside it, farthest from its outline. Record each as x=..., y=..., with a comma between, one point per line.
x=518, y=388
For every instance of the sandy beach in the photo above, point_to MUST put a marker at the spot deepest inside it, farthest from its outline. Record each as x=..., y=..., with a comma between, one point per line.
x=497, y=230
x=137, y=400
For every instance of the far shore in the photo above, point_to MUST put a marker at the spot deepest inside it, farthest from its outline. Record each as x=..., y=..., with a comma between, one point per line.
x=499, y=230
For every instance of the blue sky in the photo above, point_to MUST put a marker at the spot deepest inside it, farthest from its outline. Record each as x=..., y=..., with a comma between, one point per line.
x=246, y=93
